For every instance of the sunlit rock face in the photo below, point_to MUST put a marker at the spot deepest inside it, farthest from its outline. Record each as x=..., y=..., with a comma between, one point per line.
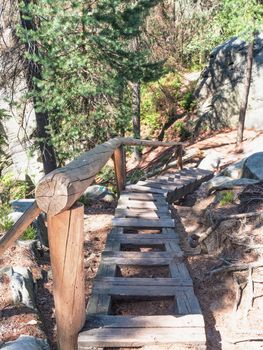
x=18, y=124
x=221, y=85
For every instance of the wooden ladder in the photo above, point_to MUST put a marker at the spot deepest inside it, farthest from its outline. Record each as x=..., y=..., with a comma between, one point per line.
x=143, y=220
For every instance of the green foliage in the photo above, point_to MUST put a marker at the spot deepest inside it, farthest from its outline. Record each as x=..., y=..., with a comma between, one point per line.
x=227, y=198
x=29, y=234
x=87, y=57
x=181, y=130
x=11, y=189
x=5, y=222
x=135, y=175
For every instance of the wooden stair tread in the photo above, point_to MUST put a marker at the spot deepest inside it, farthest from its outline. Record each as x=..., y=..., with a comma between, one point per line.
x=137, y=281
x=136, y=337
x=164, y=321
x=150, y=223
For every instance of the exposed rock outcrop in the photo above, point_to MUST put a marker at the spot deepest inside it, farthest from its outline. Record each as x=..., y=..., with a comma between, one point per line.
x=221, y=85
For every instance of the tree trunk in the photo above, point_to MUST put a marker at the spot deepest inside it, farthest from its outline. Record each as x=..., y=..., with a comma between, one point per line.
x=136, y=116
x=244, y=102
x=33, y=71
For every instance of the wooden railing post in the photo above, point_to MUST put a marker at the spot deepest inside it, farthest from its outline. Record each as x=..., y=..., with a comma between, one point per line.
x=180, y=156
x=120, y=168
x=66, y=238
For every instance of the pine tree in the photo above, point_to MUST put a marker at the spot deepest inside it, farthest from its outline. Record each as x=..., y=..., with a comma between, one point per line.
x=85, y=51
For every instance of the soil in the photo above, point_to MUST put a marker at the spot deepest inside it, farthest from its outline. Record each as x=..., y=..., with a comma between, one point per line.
x=228, y=326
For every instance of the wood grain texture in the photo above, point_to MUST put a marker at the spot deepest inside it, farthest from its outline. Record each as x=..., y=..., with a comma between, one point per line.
x=148, y=223
x=19, y=227
x=166, y=321
x=61, y=188
x=136, y=337
x=66, y=238
x=120, y=168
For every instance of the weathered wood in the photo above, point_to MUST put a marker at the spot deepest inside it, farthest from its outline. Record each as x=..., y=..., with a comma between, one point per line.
x=120, y=168
x=141, y=282
x=133, y=238
x=141, y=213
x=134, y=142
x=134, y=337
x=187, y=302
x=58, y=190
x=166, y=321
x=149, y=223
x=66, y=238
x=138, y=188
x=133, y=204
x=180, y=157
x=19, y=227
x=61, y=188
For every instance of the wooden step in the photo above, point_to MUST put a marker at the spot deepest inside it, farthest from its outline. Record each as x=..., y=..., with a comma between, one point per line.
x=137, y=337
x=149, y=189
x=146, y=223
x=134, y=204
x=167, y=321
x=142, y=213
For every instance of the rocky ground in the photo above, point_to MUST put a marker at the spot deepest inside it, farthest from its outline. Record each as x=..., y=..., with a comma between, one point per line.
x=224, y=264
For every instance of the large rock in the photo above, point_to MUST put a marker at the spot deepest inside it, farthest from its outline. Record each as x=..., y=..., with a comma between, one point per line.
x=21, y=285
x=211, y=161
x=235, y=171
x=98, y=193
x=26, y=342
x=253, y=166
x=19, y=125
x=221, y=85
x=20, y=206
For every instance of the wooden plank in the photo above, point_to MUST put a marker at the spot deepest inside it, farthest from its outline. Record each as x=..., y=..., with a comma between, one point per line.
x=187, y=302
x=141, y=196
x=130, y=222
x=66, y=239
x=134, y=337
x=179, y=270
x=166, y=321
x=141, y=282
x=137, y=261
x=137, y=188
x=139, y=213
x=133, y=204
x=136, y=255
x=98, y=304
x=143, y=237
x=19, y=227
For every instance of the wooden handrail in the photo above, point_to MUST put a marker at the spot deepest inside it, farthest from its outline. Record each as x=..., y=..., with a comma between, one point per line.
x=19, y=227
x=60, y=189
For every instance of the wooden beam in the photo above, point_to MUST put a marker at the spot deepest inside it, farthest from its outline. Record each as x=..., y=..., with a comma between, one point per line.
x=19, y=227
x=66, y=238
x=120, y=168
x=61, y=188
x=127, y=141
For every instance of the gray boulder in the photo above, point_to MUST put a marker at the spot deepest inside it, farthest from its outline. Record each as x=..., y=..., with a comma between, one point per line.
x=19, y=207
x=98, y=193
x=253, y=166
x=211, y=161
x=220, y=88
x=21, y=285
x=26, y=342
x=234, y=171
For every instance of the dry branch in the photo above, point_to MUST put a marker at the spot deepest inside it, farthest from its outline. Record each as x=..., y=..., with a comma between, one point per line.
x=195, y=240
